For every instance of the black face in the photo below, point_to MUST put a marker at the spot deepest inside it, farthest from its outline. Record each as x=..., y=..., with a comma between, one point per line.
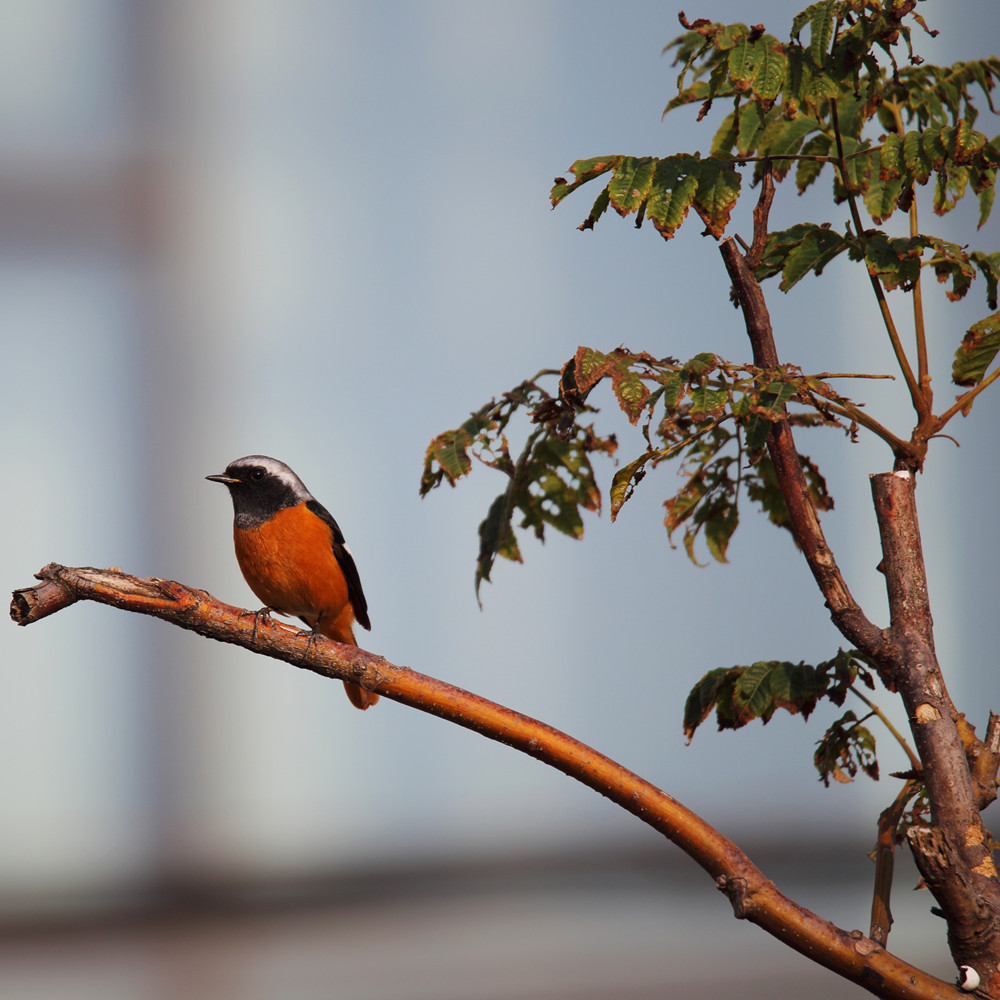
x=259, y=491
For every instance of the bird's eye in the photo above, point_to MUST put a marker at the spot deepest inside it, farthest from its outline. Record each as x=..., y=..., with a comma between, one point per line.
x=257, y=474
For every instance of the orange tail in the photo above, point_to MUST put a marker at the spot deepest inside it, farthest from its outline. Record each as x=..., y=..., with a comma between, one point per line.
x=340, y=630
x=360, y=698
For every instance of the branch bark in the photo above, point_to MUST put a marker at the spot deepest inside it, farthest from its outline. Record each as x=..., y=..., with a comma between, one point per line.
x=753, y=896
x=844, y=610
x=954, y=854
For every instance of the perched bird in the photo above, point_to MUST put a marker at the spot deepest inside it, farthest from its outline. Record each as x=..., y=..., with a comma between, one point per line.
x=293, y=555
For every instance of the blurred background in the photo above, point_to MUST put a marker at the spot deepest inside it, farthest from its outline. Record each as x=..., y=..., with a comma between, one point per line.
x=320, y=231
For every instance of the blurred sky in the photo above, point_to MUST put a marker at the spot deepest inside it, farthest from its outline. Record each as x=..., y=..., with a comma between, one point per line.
x=320, y=231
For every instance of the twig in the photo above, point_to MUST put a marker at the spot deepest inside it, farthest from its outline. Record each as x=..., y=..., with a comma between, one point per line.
x=885, y=861
x=964, y=401
x=753, y=896
x=919, y=402
x=923, y=368
x=899, y=737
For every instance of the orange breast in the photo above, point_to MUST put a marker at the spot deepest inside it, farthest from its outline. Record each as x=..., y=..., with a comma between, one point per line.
x=290, y=565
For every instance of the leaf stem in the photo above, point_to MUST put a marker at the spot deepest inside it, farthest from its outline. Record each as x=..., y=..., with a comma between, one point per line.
x=923, y=368
x=964, y=400
x=898, y=445
x=917, y=397
x=899, y=737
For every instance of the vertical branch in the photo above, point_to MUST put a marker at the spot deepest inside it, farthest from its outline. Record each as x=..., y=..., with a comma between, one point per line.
x=885, y=860
x=954, y=854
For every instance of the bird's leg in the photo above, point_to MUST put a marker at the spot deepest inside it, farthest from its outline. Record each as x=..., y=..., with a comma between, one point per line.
x=257, y=615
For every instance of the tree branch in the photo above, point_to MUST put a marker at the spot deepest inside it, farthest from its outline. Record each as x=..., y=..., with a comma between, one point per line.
x=844, y=610
x=954, y=854
x=753, y=896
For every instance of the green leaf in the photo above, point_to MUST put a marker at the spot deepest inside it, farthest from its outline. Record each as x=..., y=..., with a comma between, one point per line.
x=630, y=390
x=670, y=196
x=771, y=68
x=915, y=158
x=896, y=262
x=629, y=186
x=784, y=138
x=762, y=488
x=846, y=748
x=450, y=453
x=989, y=267
x=716, y=194
x=583, y=171
x=741, y=694
x=752, y=121
x=798, y=250
x=978, y=349
x=589, y=367
x=821, y=30
x=625, y=481
x=881, y=193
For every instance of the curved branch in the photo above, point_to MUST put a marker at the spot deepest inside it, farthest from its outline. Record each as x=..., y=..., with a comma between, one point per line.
x=753, y=896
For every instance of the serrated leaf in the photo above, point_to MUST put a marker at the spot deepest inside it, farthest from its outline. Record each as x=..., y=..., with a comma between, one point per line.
x=630, y=391
x=895, y=262
x=625, y=481
x=771, y=68
x=752, y=121
x=670, y=196
x=717, y=192
x=589, y=367
x=719, y=530
x=673, y=385
x=881, y=193
x=821, y=31
x=891, y=158
x=704, y=697
x=629, y=186
x=915, y=158
x=846, y=748
x=811, y=252
x=989, y=267
x=707, y=401
x=583, y=171
x=449, y=451
x=741, y=694
x=934, y=148
x=784, y=138
x=986, y=196
x=978, y=349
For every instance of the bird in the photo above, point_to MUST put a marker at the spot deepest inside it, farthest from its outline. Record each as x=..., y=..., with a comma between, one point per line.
x=293, y=555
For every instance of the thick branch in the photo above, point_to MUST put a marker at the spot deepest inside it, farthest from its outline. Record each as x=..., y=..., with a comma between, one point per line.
x=954, y=855
x=846, y=614
x=753, y=896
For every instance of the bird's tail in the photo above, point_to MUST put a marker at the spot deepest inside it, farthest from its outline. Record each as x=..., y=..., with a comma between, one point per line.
x=360, y=698
x=340, y=630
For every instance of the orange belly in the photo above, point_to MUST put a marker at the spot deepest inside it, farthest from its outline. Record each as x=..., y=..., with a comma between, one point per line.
x=289, y=564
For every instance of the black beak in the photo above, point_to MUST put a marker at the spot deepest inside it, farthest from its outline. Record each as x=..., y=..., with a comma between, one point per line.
x=225, y=480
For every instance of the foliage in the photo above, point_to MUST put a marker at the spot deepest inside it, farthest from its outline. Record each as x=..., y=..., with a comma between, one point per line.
x=845, y=99
x=712, y=415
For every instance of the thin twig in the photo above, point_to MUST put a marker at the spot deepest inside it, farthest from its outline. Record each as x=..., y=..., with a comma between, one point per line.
x=919, y=403
x=899, y=737
x=964, y=400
